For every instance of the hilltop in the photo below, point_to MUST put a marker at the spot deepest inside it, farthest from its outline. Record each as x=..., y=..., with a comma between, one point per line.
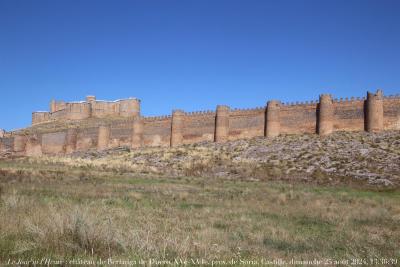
x=358, y=158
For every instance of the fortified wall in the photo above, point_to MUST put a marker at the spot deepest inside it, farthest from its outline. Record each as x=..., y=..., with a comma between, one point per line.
x=91, y=108
x=372, y=113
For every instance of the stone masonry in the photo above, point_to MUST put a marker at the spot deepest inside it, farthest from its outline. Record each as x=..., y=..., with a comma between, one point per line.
x=374, y=113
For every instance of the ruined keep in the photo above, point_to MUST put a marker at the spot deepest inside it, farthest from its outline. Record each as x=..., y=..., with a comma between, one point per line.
x=95, y=124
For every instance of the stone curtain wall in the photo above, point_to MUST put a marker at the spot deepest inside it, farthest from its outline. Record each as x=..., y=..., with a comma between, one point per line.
x=373, y=113
x=6, y=143
x=349, y=115
x=86, y=138
x=41, y=116
x=298, y=118
x=91, y=108
x=102, y=109
x=246, y=123
x=157, y=131
x=198, y=127
x=53, y=143
x=391, y=113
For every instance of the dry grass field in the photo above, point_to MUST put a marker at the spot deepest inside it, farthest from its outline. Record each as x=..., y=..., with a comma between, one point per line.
x=61, y=210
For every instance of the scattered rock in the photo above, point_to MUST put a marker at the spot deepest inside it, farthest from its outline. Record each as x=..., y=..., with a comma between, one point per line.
x=371, y=158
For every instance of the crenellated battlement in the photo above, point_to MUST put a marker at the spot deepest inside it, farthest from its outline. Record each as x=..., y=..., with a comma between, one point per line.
x=99, y=124
x=156, y=118
x=349, y=100
x=247, y=110
x=396, y=96
x=200, y=113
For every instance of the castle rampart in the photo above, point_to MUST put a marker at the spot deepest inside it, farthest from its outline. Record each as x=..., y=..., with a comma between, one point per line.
x=198, y=127
x=77, y=111
x=91, y=108
x=54, y=143
x=129, y=107
x=40, y=116
x=373, y=113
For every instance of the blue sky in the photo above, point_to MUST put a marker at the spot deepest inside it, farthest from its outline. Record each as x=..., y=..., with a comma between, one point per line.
x=193, y=54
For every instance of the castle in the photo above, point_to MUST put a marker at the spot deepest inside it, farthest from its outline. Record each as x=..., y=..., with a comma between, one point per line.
x=94, y=124
x=60, y=110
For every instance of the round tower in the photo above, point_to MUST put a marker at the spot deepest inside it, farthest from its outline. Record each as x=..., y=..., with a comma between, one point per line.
x=71, y=140
x=129, y=107
x=374, y=121
x=103, y=137
x=222, y=124
x=137, y=132
x=177, y=127
x=325, y=118
x=273, y=124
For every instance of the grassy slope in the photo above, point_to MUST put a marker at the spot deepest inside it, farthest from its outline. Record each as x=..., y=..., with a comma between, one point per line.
x=341, y=158
x=64, y=211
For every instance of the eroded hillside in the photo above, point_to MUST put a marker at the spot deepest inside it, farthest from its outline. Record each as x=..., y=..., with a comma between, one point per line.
x=356, y=158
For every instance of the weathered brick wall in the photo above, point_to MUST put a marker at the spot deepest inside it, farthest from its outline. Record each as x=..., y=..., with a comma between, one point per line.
x=58, y=115
x=33, y=145
x=101, y=109
x=298, y=118
x=60, y=110
x=349, y=115
x=198, y=127
x=157, y=131
x=121, y=133
x=6, y=144
x=53, y=143
x=129, y=107
x=391, y=113
x=246, y=123
x=345, y=115
x=59, y=105
x=38, y=117
x=78, y=111
x=87, y=138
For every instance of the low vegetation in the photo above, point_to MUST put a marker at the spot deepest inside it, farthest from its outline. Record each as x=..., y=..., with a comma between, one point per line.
x=60, y=211
x=292, y=197
x=367, y=160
